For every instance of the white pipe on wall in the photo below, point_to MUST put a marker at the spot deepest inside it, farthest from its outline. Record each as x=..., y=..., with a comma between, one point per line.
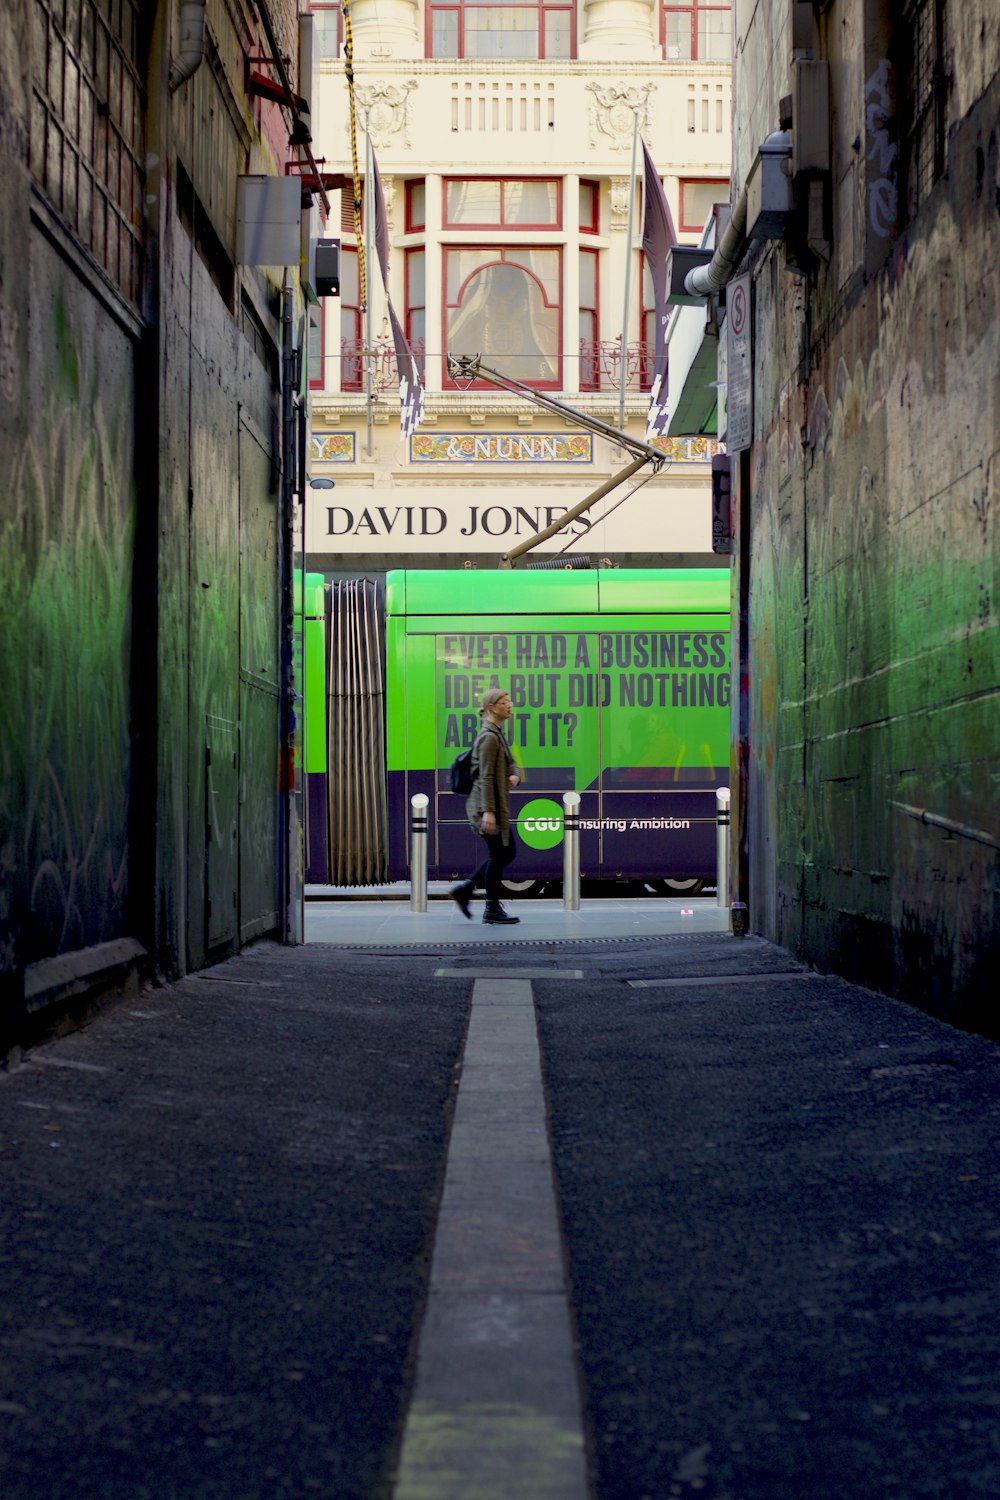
x=191, y=48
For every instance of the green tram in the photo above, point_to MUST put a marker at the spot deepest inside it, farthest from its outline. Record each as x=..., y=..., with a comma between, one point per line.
x=620, y=684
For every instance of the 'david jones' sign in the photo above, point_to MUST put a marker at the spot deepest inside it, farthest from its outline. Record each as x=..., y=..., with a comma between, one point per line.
x=356, y=525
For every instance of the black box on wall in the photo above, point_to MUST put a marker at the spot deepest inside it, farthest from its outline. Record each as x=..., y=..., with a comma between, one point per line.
x=722, y=504
x=327, y=268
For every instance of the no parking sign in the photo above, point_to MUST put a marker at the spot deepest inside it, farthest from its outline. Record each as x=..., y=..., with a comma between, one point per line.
x=739, y=373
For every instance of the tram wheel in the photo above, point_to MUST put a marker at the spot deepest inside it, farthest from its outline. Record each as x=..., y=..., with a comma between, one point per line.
x=667, y=887
x=523, y=888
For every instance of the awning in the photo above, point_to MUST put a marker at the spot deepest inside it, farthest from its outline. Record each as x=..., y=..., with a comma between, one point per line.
x=692, y=392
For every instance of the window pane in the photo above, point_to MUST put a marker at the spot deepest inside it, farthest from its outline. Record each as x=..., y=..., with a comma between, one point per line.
x=415, y=265
x=325, y=33
x=677, y=34
x=444, y=33
x=418, y=326
x=530, y=203
x=460, y=265
x=545, y=266
x=503, y=317
x=715, y=40
x=349, y=291
x=315, y=354
x=697, y=199
x=558, y=33
x=589, y=367
x=588, y=280
x=588, y=206
x=418, y=211
x=473, y=203
x=501, y=32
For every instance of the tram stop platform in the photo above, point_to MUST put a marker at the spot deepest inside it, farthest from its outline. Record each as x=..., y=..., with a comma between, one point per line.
x=380, y=916
x=607, y=1206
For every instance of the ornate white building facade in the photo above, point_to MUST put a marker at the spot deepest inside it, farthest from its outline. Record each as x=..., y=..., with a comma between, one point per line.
x=504, y=138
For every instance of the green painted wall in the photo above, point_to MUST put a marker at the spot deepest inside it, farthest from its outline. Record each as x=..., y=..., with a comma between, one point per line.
x=872, y=550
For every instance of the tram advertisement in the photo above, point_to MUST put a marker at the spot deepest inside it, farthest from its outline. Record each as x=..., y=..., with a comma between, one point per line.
x=636, y=721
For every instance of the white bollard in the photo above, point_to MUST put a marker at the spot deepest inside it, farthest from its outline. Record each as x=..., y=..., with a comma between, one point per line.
x=722, y=845
x=418, y=851
x=571, y=851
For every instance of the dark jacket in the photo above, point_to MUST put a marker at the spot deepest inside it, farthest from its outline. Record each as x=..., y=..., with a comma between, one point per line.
x=492, y=764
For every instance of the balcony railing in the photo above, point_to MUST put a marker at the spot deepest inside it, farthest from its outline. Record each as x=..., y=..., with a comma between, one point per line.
x=385, y=375
x=601, y=364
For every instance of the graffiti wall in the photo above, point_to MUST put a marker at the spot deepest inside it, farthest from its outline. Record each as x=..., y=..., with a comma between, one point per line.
x=66, y=558
x=873, y=789
x=140, y=590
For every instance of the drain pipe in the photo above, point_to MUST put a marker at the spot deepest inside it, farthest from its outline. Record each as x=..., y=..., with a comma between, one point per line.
x=703, y=281
x=192, y=42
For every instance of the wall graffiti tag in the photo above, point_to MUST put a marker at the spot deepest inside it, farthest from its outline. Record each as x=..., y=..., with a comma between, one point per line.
x=883, y=150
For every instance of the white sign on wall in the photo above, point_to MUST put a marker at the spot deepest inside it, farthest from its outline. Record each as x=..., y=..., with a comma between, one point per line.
x=739, y=366
x=480, y=519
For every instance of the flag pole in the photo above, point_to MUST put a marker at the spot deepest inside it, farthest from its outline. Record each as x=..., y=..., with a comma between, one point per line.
x=628, y=271
x=369, y=351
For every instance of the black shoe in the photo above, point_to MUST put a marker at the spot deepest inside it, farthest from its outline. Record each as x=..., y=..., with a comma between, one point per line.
x=495, y=913
x=462, y=895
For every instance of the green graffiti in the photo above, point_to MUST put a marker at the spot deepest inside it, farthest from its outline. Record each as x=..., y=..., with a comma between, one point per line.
x=66, y=546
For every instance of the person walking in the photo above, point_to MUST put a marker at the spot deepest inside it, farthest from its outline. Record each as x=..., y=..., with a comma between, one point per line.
x=494, y=773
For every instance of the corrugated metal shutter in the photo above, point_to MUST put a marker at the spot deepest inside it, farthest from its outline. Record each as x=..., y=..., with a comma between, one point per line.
x=355, y=678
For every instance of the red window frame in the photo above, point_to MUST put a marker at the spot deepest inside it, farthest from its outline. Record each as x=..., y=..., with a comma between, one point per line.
x=415, y=337
x=590, y=360
x=317, y=7
x=318, y=328
x=494, y=255
x=693, y=10
x=352, y=374
x=459, y=8
x=502, y=223
x=414, y=225
x=685, y=226
x=594, y=223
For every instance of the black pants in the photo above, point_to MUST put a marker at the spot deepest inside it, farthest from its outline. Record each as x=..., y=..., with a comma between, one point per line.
x=490, y=873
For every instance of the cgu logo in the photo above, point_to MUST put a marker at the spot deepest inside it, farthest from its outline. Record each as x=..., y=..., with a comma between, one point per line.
x=540, y=823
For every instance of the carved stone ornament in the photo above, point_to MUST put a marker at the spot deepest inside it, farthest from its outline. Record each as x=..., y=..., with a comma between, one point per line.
x=612, y=117
x=389, y=194
x=619, y=189
x=387, y=110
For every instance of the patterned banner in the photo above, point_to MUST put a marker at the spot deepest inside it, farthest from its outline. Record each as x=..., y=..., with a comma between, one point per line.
x=688, y=450
x=502, y=448
x=332, y=447
x=657, y=238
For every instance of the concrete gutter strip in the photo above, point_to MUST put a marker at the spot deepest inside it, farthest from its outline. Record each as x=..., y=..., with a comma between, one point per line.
x=496, y=1407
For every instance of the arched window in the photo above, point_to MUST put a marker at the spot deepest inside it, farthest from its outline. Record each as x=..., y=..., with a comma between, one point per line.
x=504, y=304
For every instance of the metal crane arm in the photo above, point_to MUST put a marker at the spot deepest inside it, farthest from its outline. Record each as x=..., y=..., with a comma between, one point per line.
x=469, y=367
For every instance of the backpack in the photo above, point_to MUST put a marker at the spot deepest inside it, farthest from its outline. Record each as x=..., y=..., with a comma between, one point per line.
x=461, y=773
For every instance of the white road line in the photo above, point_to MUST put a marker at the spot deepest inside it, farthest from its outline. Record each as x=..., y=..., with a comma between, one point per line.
x=707, y=979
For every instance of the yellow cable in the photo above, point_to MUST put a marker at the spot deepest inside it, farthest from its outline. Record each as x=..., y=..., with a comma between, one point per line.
x=349, y=70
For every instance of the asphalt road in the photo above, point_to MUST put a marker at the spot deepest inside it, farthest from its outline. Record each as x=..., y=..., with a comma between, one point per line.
x=780, y=1202
x=778, y=1196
